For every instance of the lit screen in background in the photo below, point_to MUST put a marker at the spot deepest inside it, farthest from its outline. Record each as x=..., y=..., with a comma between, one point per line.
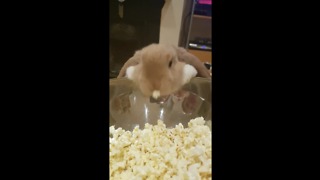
x=205, y=2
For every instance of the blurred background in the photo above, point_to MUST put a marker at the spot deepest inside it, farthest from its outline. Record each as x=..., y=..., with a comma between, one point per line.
x=138, y=23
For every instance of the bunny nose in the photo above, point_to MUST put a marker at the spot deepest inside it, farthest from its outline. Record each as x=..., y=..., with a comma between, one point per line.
x=156, y=85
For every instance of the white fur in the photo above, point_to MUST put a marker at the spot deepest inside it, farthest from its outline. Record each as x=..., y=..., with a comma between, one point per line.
x=156, y=94
x=129, y=72
x=188, y=73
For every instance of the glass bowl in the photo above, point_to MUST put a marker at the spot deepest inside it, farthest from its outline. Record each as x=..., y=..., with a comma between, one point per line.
x=129, y=108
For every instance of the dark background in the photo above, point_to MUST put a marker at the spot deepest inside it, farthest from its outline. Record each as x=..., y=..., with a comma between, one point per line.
x=139, y=27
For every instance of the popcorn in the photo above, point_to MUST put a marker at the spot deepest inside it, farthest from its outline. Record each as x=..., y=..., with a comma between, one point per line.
x=157, y=152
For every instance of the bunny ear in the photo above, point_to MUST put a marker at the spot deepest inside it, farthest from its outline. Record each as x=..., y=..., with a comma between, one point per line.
x=134, y=60
x=186, y=57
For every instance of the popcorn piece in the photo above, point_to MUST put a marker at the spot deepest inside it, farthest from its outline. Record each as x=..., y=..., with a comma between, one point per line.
x=157, y=152
x=156, y=94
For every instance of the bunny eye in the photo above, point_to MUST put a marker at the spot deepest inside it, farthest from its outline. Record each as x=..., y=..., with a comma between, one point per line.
x=170, y=63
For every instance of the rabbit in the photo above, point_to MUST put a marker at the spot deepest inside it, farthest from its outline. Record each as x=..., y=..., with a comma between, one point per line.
x=160, y=70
